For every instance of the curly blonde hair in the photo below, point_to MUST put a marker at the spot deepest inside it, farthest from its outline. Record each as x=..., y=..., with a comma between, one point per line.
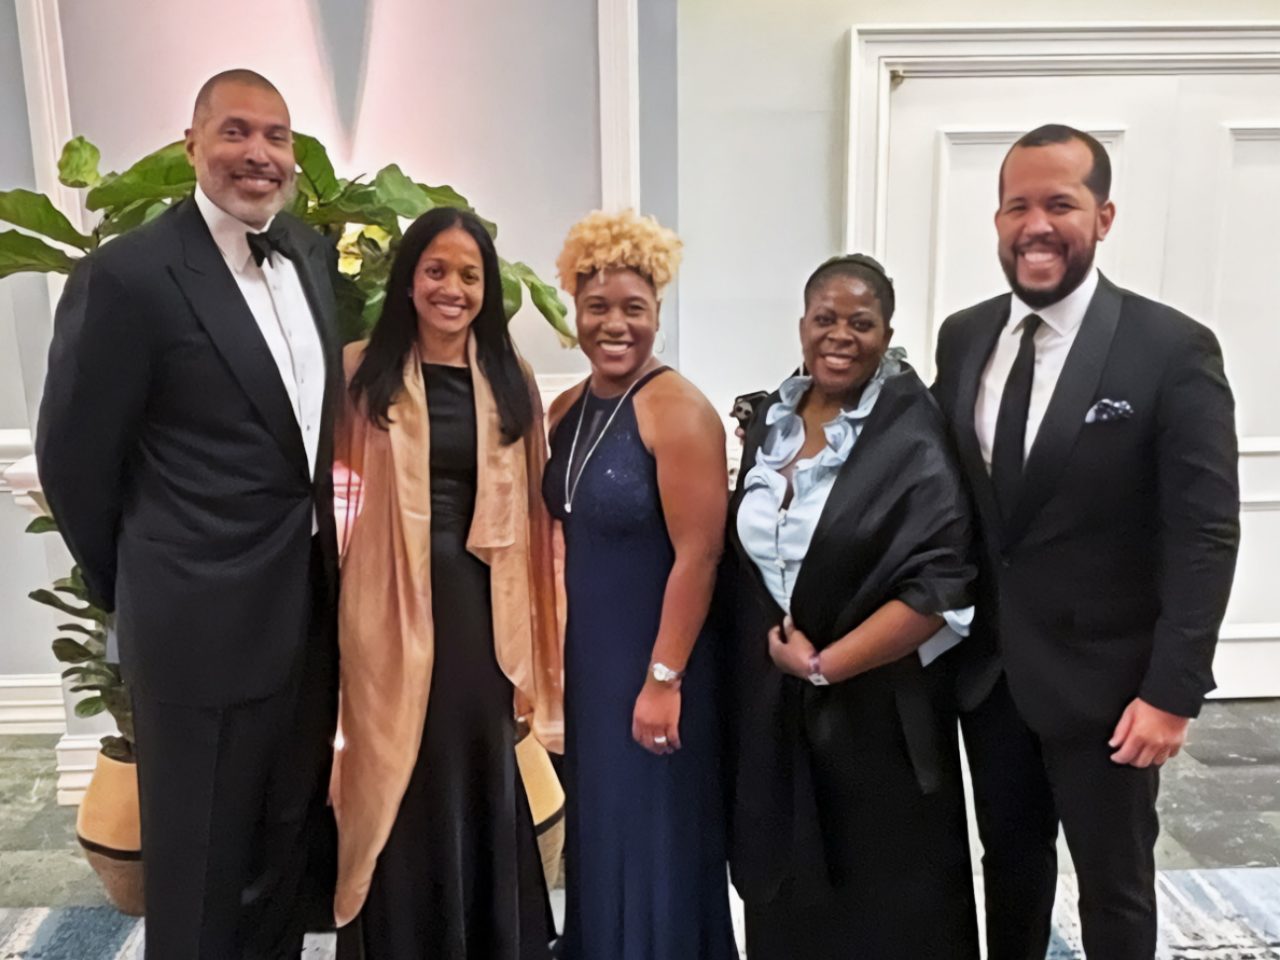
x=601, y=240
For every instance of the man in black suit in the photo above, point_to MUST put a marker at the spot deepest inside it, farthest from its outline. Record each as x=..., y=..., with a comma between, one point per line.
x=185, y=444
x=1096, y=431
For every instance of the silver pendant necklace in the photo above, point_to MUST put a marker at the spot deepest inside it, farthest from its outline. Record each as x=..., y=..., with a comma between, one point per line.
x=569, y=491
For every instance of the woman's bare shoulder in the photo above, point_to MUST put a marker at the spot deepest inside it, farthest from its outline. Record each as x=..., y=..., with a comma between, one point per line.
x=672, y=403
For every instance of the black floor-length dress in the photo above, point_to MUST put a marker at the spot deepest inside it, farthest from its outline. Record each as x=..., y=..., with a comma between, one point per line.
x=460, y=877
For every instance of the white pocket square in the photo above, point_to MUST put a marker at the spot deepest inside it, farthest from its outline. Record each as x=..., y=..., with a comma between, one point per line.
x=1105, y=411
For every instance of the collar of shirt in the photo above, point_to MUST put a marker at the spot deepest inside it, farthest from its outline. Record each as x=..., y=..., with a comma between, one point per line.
x=786, y=425
x=228, y=232
x=1063, y=317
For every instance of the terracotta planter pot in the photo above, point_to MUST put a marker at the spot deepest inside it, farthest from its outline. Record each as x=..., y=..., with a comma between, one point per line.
x=109, y=829
x=546, y=799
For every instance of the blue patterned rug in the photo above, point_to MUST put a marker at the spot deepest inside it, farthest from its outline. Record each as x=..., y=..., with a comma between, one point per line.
x=1204, y=915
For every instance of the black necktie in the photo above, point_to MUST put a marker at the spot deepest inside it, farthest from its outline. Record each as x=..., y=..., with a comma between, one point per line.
x=1008, y=451
x=276, y=238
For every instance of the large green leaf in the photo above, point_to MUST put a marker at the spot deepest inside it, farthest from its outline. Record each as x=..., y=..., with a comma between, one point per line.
x=42, y=525
x=547, y=301
x=512, y=292
x=23, y=253
x=90, y=707
x=71, y=651
x=396, y=191
x=317, y=179
x=78, y=165
x=126, y=218
x=163, y=175
x=51, y=599
x=36, y=212
x=446, y=196
x=81, y=628
x=358, y=203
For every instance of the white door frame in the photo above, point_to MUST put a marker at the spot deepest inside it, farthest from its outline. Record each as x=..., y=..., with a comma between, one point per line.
x=881, y=56
x=1248, y=661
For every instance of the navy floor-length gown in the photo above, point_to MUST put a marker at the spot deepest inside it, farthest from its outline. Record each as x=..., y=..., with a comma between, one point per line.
x=645, y=866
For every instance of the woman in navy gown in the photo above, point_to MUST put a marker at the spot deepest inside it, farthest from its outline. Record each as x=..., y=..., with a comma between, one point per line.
x=637, y=478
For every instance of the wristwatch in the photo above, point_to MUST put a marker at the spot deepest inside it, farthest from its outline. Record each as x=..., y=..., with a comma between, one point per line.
x=815, y=672
x=664, y=674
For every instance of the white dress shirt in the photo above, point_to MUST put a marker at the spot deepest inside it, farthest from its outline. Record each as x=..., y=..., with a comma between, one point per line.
x=1060, y=324
x=278, y=303
x=776, y=537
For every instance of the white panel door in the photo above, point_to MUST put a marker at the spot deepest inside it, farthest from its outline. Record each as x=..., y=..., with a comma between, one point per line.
x=1196, y=160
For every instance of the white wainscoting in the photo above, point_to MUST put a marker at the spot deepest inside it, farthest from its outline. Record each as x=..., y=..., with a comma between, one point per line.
x=77, y=755
x=31, y=703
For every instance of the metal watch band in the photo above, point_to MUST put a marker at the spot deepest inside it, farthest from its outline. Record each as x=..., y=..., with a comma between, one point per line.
x=664, y=674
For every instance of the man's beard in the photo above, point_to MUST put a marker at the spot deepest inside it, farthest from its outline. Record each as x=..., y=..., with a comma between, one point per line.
x=1078, y=267
x=247, y=210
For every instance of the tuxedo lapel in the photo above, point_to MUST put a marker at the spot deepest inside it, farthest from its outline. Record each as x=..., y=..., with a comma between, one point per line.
x=1072, y=398
x=981, y=346
x=221, y=309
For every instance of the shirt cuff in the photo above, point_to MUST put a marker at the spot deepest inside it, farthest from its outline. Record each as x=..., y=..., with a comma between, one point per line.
x=955, y=629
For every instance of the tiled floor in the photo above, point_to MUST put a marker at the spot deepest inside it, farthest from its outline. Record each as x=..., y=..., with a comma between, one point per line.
x=1219, y=803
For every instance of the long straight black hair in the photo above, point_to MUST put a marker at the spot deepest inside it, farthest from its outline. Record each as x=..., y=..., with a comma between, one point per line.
x=380, y=377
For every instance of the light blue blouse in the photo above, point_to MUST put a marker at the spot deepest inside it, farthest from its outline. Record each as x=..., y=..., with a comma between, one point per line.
x=776, y=537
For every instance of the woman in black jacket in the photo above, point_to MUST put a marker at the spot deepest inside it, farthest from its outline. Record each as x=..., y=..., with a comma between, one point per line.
x=849, y=579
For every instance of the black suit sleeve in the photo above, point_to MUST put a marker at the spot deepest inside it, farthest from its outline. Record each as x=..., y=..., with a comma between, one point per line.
x=1199, y=524
x=94, y=397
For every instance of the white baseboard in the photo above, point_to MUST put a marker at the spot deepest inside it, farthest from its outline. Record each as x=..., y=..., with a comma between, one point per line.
x=77, y=756
x=31, y=703
x=1247, y=662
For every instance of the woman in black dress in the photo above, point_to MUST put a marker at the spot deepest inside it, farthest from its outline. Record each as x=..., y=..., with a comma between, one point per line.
x=437, y=848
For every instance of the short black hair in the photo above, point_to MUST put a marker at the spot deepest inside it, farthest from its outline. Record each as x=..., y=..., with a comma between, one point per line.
x=1098, y=179
x=240, y=75
x=865, y=268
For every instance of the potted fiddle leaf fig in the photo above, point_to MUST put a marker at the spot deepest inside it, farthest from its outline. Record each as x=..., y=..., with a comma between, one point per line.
x=362, y=217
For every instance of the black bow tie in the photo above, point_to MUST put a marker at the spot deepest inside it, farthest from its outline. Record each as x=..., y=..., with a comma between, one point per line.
x=276, y=238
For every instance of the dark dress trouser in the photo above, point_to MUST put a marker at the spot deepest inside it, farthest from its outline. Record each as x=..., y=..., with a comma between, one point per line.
x=1022, y=787
x=238, y=840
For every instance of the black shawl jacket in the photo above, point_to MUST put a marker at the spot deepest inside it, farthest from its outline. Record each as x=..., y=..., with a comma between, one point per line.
x=896, y=526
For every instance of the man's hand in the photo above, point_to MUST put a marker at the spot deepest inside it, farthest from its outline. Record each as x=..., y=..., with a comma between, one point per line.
x=1147, y=735
x=790, y=655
